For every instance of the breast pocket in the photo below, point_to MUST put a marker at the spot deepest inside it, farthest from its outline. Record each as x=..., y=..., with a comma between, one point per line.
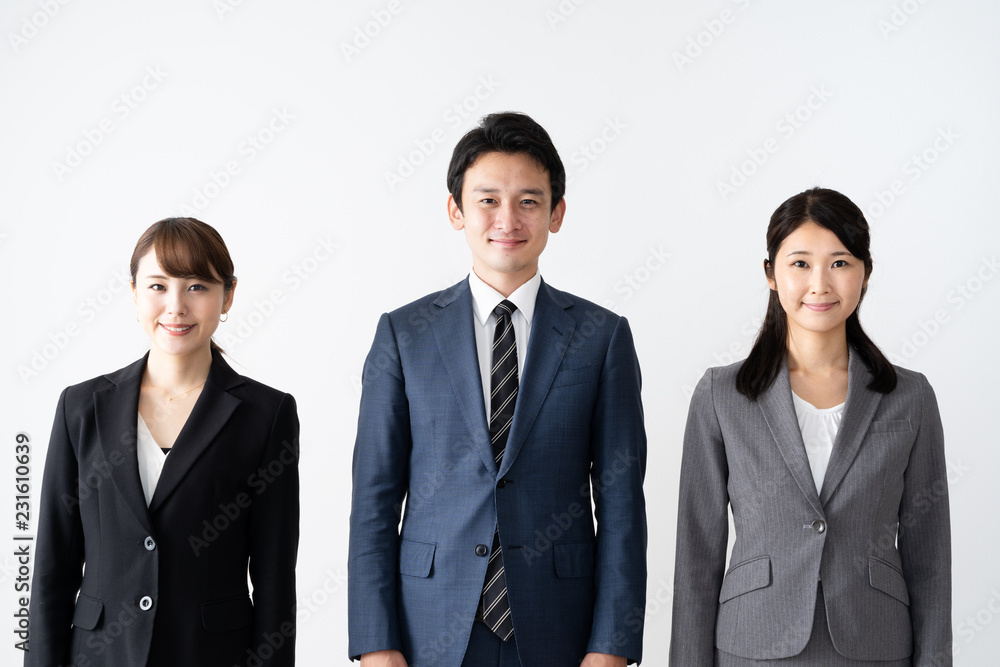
x=890, y=426
x=568, y=377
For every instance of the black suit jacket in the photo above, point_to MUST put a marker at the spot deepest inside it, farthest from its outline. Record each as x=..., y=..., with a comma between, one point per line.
x=167, y=585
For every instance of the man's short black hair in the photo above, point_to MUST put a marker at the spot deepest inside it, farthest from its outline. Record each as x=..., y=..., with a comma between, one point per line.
x=506, y=132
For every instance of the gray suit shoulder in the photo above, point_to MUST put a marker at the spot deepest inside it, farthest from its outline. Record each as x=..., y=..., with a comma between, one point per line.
x=724, y=376
x=906, y=378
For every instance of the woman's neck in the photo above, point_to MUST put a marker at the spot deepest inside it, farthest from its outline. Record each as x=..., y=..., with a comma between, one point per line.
x=173, y=374
x=810, y=352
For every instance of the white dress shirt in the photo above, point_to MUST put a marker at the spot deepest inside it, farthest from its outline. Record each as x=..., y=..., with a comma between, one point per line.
x=151, y=459
x=484, y=300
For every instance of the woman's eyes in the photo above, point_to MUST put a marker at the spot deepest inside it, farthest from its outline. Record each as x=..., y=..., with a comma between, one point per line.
x=197, y=287
x=838, y=264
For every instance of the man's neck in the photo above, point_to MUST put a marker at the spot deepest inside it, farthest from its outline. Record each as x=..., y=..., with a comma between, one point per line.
x=506, y=283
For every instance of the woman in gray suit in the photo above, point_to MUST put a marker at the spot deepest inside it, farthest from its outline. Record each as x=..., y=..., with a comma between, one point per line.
x=832, y=462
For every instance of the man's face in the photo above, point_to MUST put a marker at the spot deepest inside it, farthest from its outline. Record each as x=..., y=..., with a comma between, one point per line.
x=507, y=216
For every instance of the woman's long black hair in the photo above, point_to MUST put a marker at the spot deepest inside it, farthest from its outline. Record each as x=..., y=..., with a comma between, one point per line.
x=834, y=211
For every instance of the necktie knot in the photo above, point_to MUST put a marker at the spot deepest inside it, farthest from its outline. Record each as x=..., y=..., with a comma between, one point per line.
x=504, y=309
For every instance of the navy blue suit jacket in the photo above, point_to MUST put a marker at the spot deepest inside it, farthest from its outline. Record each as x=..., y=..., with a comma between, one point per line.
x=423, y=444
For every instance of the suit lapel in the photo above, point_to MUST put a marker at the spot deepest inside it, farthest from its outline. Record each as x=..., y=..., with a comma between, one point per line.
x=210, y=413
x=551, y=331
x=779, y=413
x=456, y=340
x=858, y=413
x=116, y=411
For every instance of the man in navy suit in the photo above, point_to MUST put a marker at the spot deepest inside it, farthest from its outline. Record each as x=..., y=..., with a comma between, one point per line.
x=500, y=420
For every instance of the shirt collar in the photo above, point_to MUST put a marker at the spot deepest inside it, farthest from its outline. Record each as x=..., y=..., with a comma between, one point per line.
x=485, y=299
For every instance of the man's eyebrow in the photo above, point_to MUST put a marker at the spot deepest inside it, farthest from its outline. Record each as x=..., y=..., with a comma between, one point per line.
x=489, y=189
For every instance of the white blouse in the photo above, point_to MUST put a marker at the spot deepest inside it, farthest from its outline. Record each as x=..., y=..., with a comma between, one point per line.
x=819, y=430
x=151, y=459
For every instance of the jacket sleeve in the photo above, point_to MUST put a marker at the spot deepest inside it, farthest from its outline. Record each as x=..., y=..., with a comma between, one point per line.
x=925, y=538
x=618, y=448
x=380, y=480
x=59, y=553
x=702, y=533
x=274, y=541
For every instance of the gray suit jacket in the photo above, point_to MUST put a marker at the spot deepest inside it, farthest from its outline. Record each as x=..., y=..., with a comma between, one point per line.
x=877, y=533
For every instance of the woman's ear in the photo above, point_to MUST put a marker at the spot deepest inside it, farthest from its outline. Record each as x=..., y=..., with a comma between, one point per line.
x=227, y=301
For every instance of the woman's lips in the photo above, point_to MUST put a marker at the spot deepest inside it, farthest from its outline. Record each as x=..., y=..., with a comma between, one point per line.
x=176, y=329
x=820, y=307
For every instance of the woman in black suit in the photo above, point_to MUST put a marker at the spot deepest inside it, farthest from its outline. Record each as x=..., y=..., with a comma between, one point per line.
x=165, y=483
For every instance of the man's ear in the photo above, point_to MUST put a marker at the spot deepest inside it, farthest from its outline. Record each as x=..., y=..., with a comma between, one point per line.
x=455, y=214
x=556, y=217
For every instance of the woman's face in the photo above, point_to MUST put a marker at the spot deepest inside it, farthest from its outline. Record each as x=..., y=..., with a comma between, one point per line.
x=818, y=280
x=178, y=314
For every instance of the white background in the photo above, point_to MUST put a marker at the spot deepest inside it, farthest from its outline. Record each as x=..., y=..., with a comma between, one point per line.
x=652, y=106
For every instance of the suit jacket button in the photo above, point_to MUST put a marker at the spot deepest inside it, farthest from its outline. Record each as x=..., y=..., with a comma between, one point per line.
x=482, y=549
x=146, y=603
x=819, y=526
x=149, y=543
x=502, y=483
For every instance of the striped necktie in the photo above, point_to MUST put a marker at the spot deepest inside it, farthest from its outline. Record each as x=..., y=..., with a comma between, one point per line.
x=503, y=396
